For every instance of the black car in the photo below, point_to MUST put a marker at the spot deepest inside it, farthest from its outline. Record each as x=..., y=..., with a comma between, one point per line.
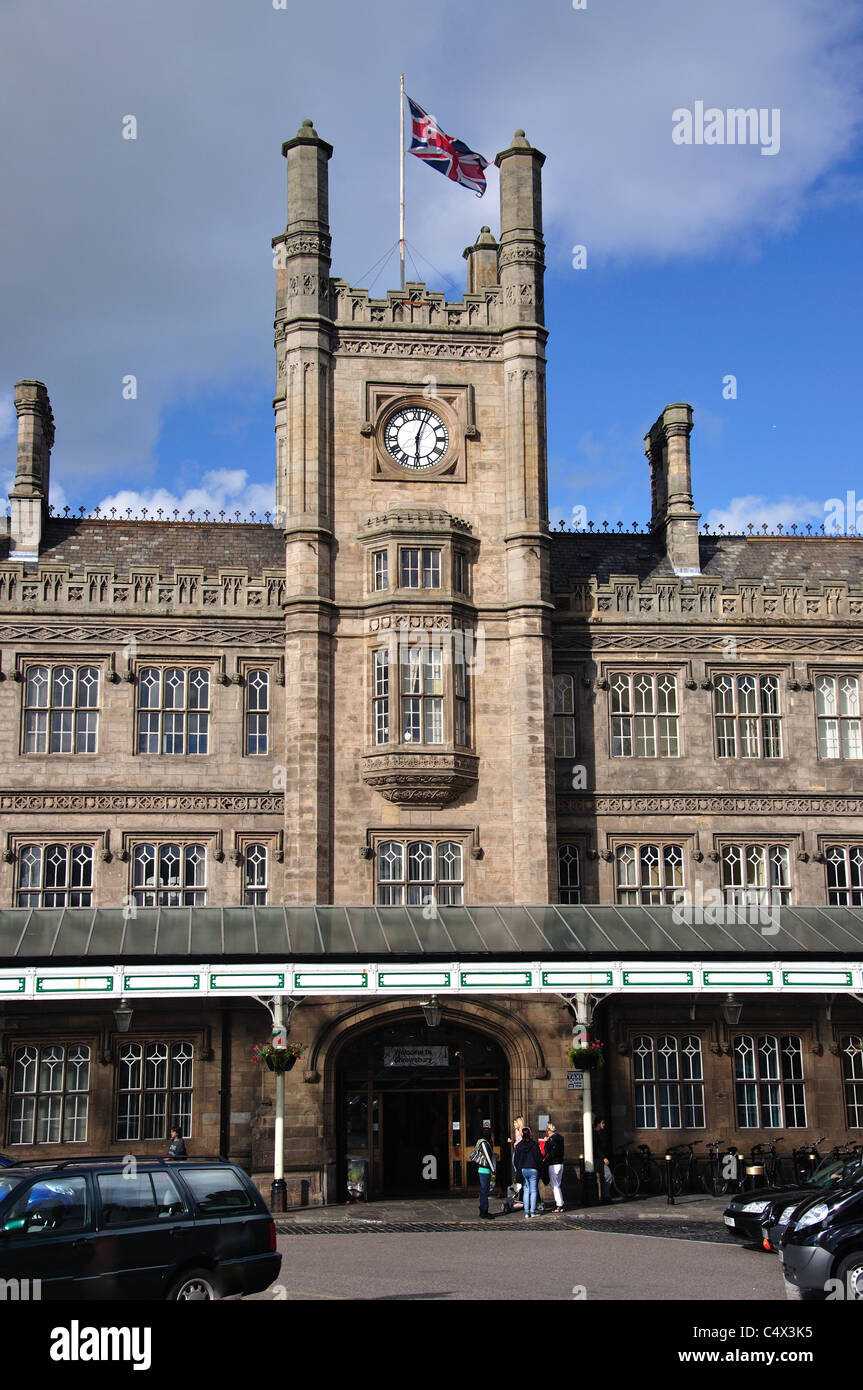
x=135, y=1229
x=821, y=1247
x=752, y=1216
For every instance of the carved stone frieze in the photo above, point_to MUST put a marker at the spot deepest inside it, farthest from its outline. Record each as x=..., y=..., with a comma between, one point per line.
x=185, y=634
x=706, y=640
x=301, y=244
x=521, y=252
x=419, y=347
x=403, y=622
x=234, y=802
x=709, y=803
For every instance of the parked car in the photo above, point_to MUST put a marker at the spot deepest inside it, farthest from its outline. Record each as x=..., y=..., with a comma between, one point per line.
x=777, y=1213
x=822, y=1242
x=751, y=1216
x=103, y=1229
x=5, y=1161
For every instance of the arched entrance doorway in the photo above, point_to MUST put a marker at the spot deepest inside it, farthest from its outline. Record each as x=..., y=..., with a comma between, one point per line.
x=412, y=1101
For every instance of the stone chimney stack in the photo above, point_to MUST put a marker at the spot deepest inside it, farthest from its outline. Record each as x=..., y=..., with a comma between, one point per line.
x=29, y=495
x=673, y=517
x=481, y=262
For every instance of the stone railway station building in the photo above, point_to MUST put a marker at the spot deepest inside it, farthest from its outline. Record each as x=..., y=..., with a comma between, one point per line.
x=410, y=741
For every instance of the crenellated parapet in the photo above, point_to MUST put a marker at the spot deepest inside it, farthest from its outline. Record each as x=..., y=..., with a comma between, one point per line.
x=625, y=598
x=55, y=589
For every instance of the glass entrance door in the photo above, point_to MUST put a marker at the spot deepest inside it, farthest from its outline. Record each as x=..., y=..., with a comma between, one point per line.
x=413, y=1102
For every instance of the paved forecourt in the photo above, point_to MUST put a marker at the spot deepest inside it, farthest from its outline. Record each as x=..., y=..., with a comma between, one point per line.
x=570, y=1263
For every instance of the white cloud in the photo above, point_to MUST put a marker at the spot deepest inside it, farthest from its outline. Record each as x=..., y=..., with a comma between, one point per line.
x=221, y=490
x=166, y=239
x=735, y=518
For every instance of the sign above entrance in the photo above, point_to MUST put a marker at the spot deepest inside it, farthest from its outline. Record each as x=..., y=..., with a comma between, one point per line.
x=416, y=1056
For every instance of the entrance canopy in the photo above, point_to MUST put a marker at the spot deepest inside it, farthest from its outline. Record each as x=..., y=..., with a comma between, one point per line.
x=65, y=953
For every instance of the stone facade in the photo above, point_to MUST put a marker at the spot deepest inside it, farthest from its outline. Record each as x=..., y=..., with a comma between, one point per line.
x=545, y=749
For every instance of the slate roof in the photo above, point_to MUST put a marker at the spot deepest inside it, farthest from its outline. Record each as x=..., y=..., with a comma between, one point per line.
x=576, y=557
x=122, y=546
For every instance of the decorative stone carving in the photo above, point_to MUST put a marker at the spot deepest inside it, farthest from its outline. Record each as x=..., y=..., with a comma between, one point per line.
x=430, y=779
x=420, y=347
x=234, y=802
x=708, y=803
x=197, y=634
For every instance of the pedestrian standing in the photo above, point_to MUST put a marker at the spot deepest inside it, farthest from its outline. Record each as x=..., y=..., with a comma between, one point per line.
x=600, y=1159
x=528, y=1161
x=177, y=1146
x=554, y=1160
x=485, y=1165
x=517, y=1127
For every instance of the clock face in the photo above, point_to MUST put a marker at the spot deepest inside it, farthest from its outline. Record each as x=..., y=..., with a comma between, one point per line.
x=415, y=437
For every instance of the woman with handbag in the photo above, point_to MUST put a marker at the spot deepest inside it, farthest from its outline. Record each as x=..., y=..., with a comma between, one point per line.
x=483, y=1157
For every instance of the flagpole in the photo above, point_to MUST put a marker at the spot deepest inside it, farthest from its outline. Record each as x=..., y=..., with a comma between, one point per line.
x=402, y=179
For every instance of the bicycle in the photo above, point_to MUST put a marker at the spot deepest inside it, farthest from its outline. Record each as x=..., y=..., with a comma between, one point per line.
x=637, y=1172
x=763, y=1166
x=684, y=1167
x=807, y=1160
x=712, y=1179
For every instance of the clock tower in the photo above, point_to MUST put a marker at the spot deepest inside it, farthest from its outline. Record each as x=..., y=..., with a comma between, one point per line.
x=411, y=484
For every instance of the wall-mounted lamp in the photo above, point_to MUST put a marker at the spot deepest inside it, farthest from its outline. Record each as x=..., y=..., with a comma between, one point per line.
x=432, y=1011
x=123, y=1017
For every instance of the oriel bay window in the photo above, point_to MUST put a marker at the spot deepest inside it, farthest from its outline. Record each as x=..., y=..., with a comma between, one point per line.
x=154, y=1089
x=61, y=709
x=433, y=694
x=419, y=568
x=418, y=872
x=50, y=1094
x=668, y=1074
x=55, y=875
x=169, y=875
x=768, y=1082
x=173, y=709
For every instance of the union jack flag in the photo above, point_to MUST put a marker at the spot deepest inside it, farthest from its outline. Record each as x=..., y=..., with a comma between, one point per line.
x=442, y=152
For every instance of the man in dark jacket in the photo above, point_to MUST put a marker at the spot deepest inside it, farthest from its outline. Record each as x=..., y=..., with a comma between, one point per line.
x=527, y=1161
x=601, y=1160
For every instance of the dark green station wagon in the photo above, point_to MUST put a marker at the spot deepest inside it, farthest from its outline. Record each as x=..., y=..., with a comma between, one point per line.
x=109, y=1228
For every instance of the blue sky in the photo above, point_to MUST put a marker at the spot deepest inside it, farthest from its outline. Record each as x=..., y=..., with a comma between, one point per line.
x=153, y=257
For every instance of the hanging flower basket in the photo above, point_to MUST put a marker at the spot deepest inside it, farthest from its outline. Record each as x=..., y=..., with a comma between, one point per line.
x=278, y=1059
x=586, y=1056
